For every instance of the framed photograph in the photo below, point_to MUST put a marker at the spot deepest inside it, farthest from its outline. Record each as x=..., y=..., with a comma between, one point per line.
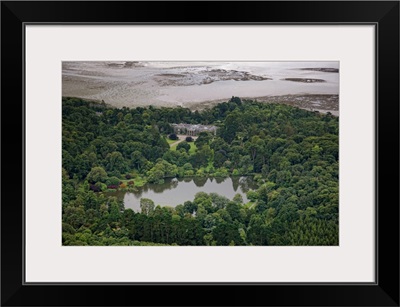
x=250, y=148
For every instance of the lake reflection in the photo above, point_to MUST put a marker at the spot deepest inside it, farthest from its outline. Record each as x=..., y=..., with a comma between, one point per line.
x=176, y=191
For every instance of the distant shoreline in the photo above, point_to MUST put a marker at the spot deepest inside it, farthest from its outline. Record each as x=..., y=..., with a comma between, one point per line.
x=322, y=103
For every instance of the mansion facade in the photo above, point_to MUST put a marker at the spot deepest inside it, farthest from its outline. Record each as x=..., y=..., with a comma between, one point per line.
x=193, y=130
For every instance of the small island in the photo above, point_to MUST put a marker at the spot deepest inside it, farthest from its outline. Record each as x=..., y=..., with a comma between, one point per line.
x=305, y=80
x=323, y=69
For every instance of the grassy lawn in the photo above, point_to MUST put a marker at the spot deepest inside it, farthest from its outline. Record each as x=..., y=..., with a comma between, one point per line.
x=170, y=141
x=192, y=149
x=138, y=181
x=174, y=147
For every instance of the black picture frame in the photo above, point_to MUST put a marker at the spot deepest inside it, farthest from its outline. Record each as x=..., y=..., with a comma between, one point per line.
x=383, y=14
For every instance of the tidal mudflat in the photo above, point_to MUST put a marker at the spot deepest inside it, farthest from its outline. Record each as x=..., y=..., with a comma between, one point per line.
x=197, y=85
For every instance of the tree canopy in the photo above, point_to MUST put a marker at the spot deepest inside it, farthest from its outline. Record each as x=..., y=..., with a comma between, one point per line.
x=292, y=153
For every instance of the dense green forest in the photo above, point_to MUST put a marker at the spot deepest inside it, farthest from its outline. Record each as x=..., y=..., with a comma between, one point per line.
x=292, y=154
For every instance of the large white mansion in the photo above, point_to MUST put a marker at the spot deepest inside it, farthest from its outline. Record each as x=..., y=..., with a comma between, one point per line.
x=193, y=130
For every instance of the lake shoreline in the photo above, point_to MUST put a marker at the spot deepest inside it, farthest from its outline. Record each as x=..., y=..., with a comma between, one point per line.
x=175, y=191
x=143, y=181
